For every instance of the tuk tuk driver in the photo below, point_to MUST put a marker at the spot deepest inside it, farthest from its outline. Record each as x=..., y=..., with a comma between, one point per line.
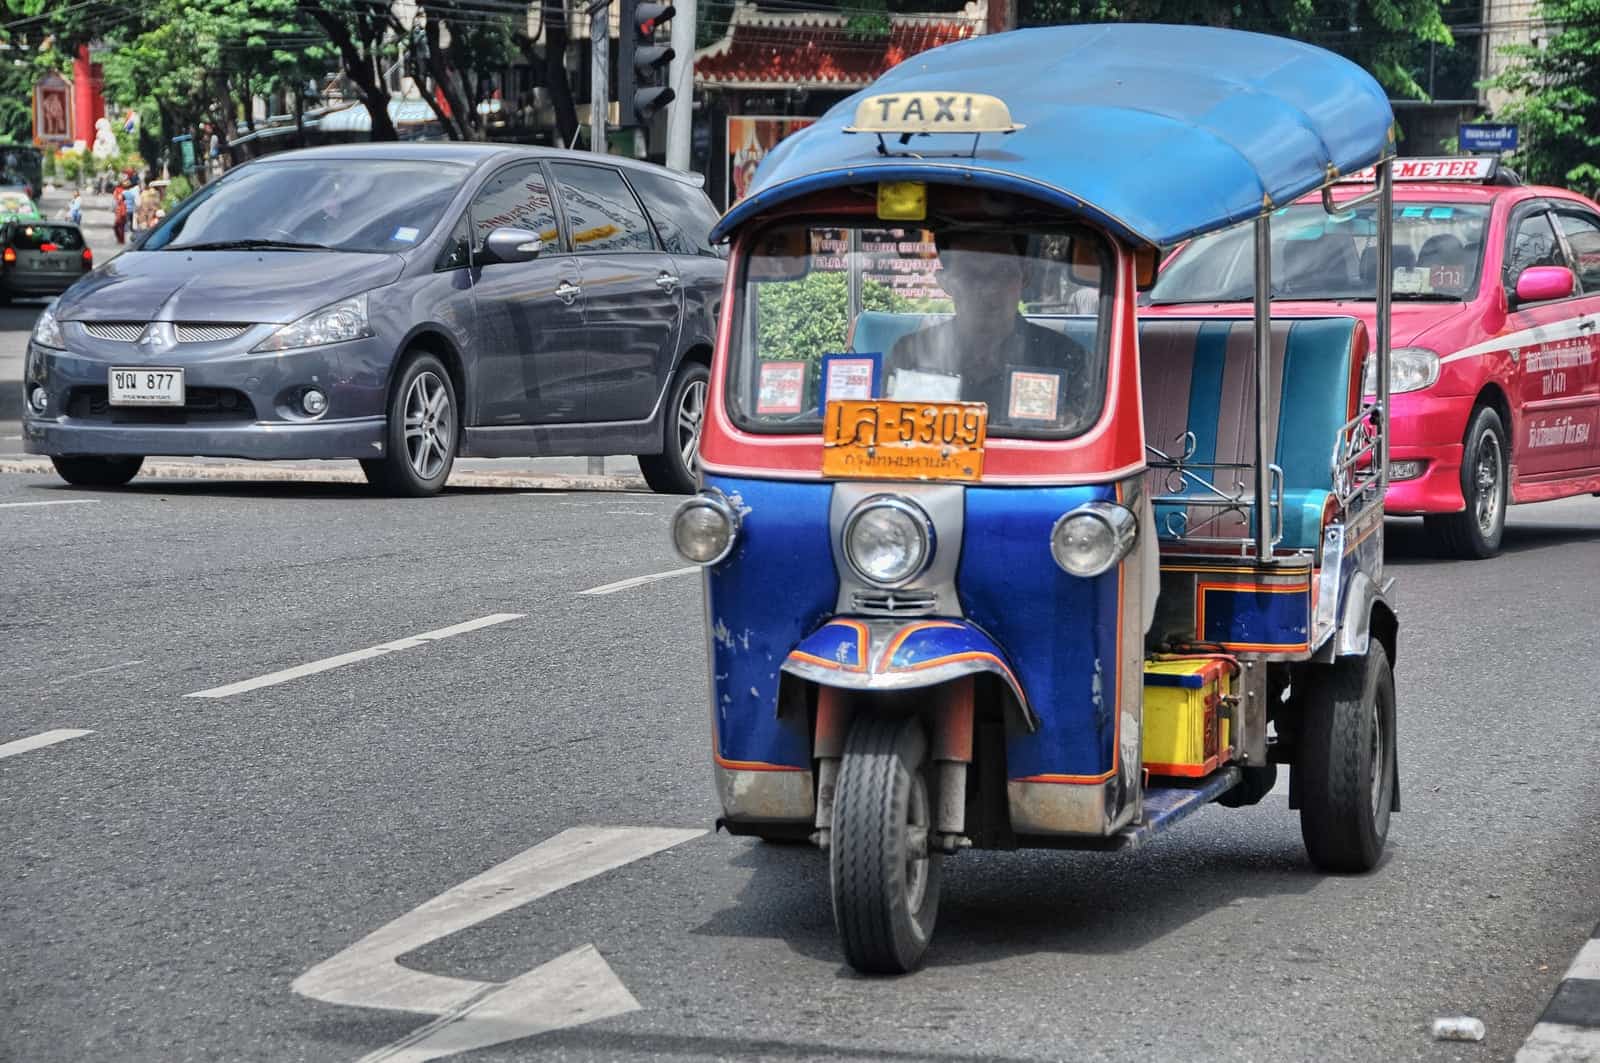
x=988, y=352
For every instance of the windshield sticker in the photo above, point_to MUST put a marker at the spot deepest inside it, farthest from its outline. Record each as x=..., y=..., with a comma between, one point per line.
x=405, y=234
x=1442, y=213
x=783, y=387
x=1412, y=280
x=1446, y=277
x=1034, y=395
x=919, y=386
x=1413, y=212
x=850, y=376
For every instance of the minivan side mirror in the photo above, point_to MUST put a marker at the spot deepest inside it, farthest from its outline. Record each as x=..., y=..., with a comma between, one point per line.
x=1539, y=283
x=506, y=244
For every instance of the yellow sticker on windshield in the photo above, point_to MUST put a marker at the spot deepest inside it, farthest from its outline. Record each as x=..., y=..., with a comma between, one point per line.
x=902, y=201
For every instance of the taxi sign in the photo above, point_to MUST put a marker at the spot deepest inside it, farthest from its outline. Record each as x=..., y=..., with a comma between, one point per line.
x=932, y=112
x=1457, y=168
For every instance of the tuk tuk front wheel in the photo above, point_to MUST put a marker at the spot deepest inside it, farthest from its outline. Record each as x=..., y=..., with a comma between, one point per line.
x=884, y=876
x=1346, y=762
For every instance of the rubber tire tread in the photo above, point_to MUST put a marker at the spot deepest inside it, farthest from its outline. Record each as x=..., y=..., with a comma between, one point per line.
x=1336, y=822
x=1457, y=533
x=664, y=472
x=90, y=471
x=392, y=474
x=878, y=934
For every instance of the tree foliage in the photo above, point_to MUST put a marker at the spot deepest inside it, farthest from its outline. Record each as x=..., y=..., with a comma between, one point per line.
x=1556, y=97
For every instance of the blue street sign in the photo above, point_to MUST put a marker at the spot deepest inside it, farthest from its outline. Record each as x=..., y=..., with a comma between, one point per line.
x=1488, y=137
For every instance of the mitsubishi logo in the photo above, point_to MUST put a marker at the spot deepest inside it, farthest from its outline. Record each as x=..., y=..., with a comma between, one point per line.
x=159, y=337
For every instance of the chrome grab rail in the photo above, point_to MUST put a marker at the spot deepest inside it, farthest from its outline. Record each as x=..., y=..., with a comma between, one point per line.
x=1356, y=460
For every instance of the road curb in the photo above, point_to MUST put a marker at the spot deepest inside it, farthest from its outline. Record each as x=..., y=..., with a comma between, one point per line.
x=1569, y=1029
x=178, y=470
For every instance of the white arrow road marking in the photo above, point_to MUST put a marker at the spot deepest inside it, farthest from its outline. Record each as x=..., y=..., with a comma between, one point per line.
x=577, y=988
x=57, y=502
x=39, y=741
x=574, y=989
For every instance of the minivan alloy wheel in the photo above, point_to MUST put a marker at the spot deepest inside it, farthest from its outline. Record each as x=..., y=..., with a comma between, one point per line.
x=429, y=424
x=691, y=416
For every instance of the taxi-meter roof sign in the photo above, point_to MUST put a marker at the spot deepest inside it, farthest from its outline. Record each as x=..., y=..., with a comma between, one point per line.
x=932, y=112
x=1449, y=168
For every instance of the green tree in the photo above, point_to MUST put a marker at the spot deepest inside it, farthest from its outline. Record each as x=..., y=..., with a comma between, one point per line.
x=1556, y=97
x=1384, y=36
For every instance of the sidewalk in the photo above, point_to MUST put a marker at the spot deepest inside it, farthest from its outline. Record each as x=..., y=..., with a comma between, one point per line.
x=1569, y=1029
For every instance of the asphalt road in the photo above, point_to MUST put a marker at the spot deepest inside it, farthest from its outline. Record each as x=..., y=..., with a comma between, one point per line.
x=170, y=874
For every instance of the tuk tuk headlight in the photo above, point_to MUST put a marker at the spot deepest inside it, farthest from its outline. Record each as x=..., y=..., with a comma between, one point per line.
x=1093, y=538
x=888, y=540
x=704, y=528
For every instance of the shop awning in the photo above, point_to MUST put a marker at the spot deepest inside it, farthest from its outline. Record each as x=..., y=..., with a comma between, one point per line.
x=355, y=119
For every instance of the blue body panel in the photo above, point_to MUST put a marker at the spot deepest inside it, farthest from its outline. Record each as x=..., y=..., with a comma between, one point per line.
x=1059, y=630
x=777, y=587
x=1157, y=132
x=1256, y=617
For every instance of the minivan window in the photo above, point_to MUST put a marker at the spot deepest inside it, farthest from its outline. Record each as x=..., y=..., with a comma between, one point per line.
x=517, y=198
x=1582, y=231
x=1533, y=243
x=351, y=204
x=683, y=215
x=602, y=214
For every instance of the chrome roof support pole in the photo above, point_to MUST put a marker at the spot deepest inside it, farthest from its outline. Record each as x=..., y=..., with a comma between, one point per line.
x=1263, y=314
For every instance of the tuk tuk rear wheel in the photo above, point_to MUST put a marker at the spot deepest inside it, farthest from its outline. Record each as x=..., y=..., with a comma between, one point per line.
x=884, y=876
x=1346, y=762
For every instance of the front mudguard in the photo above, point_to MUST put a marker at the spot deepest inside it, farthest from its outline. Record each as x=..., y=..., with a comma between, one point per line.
x=891, y=655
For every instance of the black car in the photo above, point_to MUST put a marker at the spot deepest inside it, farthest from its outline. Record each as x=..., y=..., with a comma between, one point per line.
x=401, y=304
x=41, y=258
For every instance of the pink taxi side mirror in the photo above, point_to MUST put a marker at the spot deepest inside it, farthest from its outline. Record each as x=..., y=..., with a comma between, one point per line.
x=1538, y=283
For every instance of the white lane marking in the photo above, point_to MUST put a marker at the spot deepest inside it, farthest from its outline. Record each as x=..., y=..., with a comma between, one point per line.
x=327, y=663
x=56, y=502
x=576, y=988
x=1587, y=965
x=97, y=671
x=639, y=581
x=1554, y=1042
x=39, y=741
x=1281, y=787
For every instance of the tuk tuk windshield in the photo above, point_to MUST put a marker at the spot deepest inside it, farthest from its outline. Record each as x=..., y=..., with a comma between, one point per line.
x=1438, y=250
x=1014, y=318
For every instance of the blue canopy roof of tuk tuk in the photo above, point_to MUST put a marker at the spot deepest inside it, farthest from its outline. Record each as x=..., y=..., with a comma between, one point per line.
x=1157, y=132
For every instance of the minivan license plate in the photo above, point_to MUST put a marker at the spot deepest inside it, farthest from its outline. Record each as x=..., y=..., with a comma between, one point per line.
x=145, y=387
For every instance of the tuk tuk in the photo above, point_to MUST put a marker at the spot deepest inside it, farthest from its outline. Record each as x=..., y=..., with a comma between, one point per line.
x=990, y=562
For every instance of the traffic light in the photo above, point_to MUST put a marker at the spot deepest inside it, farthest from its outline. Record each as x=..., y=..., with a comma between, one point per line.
x=642, y=63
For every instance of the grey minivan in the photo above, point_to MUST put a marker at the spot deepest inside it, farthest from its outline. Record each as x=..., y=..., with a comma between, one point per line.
x=401, y=304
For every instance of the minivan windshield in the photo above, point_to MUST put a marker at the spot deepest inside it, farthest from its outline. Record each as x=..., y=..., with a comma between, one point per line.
x=1014, y=318
x=382, y=205
x=1438, y=251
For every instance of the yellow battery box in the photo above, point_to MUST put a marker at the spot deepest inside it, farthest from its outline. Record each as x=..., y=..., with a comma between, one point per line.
x=1185, y=719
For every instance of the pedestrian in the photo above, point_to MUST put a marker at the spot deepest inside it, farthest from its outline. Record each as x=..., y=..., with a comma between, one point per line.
x=119, y=215
x=149, y=205
x=130, y=200
x=75, y=209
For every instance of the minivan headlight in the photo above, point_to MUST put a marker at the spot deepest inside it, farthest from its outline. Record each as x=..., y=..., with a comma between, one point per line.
x=1410, y=369
x=1092, y=538
x=47, y=330
x=888, y=540
x=334, y=323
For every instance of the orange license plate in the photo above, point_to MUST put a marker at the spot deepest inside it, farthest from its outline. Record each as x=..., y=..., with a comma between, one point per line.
x=889, y=440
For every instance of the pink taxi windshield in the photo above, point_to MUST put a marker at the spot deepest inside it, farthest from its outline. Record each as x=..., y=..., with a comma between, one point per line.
x=1438, y=254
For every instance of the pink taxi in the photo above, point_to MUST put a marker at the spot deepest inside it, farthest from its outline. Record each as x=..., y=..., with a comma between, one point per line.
x=1496, y=330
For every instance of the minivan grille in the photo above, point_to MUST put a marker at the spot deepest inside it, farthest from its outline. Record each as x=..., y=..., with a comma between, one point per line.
x=187, y=332
x=895, y=603
x=119, y=331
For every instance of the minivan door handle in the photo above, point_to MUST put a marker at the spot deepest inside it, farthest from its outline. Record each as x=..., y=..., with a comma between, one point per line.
x=666, y=281
x=568, y=292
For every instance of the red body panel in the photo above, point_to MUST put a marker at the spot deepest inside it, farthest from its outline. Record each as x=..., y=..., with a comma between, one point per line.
x=1488, y=354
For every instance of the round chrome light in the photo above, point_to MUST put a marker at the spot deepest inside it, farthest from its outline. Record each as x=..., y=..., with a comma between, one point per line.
x=1092, y=538
x=314, y=402
x=38, y=398
x=704, y=528
x=888, y=540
